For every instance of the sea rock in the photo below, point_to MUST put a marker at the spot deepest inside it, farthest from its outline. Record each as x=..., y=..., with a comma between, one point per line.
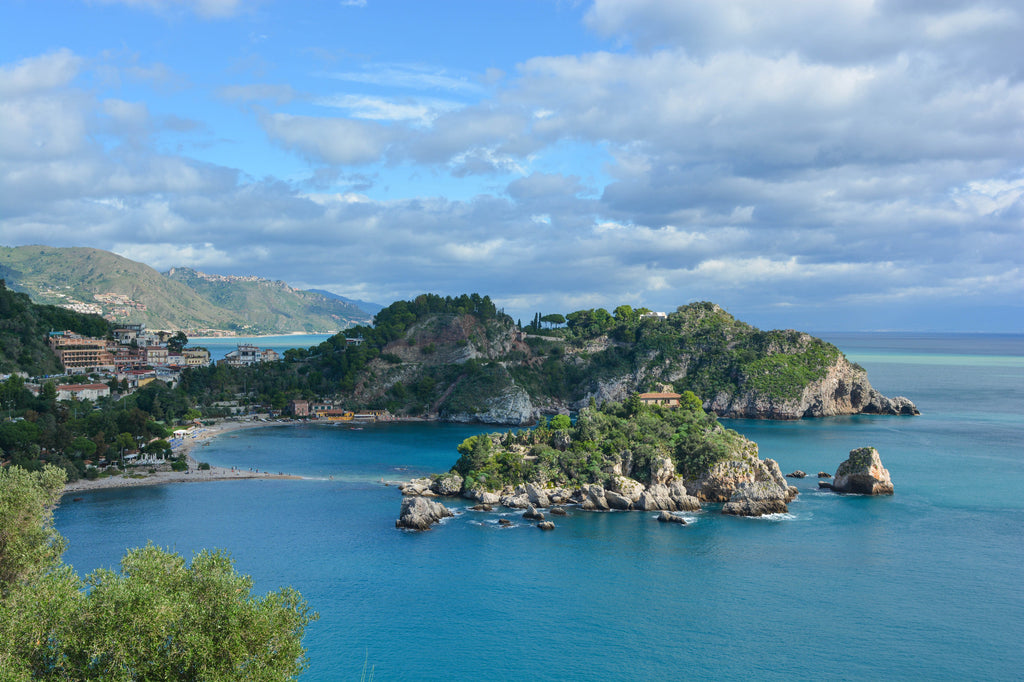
x=683, y=500
x=448, y=484
x=546, y=525
x=757, y=499
x=515, y=501
x=593, y=498
x=486, y=497
x=558, y=511
x=797, y=474
x=656, y=497
x=419, y=513
x=862, y=473
x=669, y=517
x=417, y=486
x=617, y=500
x=481, y=507
x=532, y=513
x=628, y=488
x=824, y=474
x=504, y=522
x=537, y=495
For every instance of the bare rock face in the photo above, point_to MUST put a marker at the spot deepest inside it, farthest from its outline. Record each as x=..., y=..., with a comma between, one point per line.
x=757, y=499
x=627, y=487
x=537, y=495
x=844, y=389
x=594, y=498
x=863, y=474
x=513, y=407
x=662, y=471
x=419, y=513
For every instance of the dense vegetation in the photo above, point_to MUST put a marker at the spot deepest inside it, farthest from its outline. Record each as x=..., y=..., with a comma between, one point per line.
x=156, y=619
x=629, y=437
x=25, y=325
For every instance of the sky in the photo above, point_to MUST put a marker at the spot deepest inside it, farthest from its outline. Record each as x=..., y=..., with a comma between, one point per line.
x=844, y=165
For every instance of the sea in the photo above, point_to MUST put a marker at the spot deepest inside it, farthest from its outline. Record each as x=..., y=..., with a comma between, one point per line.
x=925, y=584
x=220, y=345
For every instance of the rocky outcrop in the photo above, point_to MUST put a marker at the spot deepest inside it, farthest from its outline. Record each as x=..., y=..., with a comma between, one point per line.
x=862, y=474
x=448, y=484
x=546, y=525
x=669, y=517
x=532, y=513
x=797, y=474
x=419, y=513
x=512, y=407
x=844, y=389
x=757, y=499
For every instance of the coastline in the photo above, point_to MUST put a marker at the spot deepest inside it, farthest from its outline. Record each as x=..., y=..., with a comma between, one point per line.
x=193, y=474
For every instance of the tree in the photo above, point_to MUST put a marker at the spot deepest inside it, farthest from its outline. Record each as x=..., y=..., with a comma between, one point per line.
x=28, y=542
x=156, y=619
x=560, y=422
x=553, y=319
x=177, y=342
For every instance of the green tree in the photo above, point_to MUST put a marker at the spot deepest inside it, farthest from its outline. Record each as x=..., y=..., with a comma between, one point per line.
x=560, y=422
x=28, y=542
x=156, y=619
x=177, y=342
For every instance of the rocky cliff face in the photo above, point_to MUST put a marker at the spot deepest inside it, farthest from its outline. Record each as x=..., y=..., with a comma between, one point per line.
x=513, y=407
x=844, y=389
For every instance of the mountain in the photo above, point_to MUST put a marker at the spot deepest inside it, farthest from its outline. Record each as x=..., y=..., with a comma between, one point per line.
x=459, y=359
x=124, y=291
x=366, y=306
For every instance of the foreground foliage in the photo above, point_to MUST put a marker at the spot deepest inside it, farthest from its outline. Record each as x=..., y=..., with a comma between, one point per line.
x=156, y=619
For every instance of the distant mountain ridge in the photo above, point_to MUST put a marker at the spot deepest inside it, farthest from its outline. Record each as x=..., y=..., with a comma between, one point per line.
x=124, y=291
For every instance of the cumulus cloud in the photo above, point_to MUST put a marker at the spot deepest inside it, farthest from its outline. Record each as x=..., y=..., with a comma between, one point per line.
x=782, y=156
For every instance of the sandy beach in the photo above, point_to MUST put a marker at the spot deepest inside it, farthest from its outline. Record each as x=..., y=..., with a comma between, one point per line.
x=140, y=475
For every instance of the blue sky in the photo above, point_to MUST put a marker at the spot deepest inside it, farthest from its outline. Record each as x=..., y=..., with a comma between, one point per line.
x=850, y=165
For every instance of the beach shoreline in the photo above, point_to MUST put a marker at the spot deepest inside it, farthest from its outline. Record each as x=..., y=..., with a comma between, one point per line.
x=193, y=474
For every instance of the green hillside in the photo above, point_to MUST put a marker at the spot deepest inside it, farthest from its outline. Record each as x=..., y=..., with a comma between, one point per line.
x=125, y=291
x=23, y=329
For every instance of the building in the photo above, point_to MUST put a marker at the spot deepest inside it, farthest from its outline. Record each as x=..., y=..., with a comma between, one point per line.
x=298, y=408
x=663, y=399
x=196, y=357
x=156, y=355
x=81, y=354
x=129, y=333
x=82, y=391
x=247, y=354
x=653, y=316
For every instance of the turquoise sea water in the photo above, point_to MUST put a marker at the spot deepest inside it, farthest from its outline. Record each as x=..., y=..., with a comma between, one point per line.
x=220, y=345
x=926, y=584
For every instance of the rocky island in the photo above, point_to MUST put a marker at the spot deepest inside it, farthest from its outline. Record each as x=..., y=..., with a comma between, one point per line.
x=621, y=455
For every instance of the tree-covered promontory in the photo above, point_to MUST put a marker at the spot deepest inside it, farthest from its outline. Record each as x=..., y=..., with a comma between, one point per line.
x=461, y=359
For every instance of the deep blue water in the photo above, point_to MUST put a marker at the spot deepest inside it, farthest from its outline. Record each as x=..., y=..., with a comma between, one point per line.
x=927, y=584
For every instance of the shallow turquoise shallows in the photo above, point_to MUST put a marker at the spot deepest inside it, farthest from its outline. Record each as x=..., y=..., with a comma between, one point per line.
x=926, y=584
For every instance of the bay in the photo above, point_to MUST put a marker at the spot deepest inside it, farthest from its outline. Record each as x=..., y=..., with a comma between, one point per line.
x=923, y=584
x=219, y=346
